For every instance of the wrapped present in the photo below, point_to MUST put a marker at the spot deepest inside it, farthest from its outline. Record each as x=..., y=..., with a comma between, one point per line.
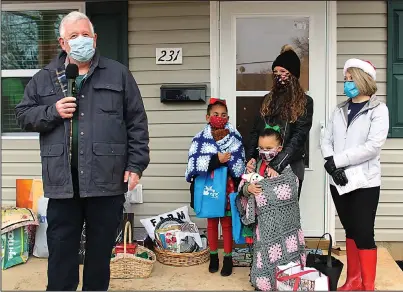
x=294, y=277
x=242, y=257
x=130, y=248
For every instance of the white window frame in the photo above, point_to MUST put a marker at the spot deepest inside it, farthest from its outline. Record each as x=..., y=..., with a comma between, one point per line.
x=80, y=6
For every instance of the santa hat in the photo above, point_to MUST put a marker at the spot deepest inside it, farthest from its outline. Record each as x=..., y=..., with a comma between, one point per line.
x=365, y=66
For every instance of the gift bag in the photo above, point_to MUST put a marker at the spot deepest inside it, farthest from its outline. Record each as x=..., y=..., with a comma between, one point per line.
x=236, y=220
x=242, y=256
x=41, y=243
x=14, y=247
x=210, y=194
x=293, y=277
x=327, y=264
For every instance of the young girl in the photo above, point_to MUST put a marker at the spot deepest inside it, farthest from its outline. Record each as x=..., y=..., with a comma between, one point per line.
x=218, y=144
x=271, y=207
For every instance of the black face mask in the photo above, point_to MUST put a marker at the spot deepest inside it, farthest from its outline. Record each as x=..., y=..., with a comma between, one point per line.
x=280, y=83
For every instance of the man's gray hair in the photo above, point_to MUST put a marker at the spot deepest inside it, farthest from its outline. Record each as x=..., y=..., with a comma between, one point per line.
x=73, y=17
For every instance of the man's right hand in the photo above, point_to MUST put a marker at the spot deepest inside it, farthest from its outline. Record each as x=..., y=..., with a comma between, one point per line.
x=250, y=167
x=66, y=107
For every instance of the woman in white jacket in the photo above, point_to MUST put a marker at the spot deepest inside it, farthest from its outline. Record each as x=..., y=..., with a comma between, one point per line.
x=354, y=137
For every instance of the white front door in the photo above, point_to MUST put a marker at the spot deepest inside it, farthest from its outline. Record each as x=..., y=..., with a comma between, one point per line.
x=251, y=37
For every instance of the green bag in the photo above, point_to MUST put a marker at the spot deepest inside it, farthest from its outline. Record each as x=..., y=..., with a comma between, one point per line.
x=14, y=248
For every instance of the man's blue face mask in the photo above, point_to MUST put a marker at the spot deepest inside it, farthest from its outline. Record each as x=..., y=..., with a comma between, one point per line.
x=82, y=48
x=350, y=90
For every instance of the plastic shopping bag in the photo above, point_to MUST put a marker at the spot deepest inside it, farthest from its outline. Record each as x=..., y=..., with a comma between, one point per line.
x=41, y=244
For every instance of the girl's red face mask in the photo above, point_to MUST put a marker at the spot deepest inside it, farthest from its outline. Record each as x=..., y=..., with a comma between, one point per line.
x=218, y=122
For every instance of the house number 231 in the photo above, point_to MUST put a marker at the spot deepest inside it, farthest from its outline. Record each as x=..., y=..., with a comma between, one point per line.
x=168, y=56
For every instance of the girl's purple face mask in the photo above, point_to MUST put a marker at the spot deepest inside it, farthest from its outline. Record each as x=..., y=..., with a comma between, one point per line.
x=268, y=155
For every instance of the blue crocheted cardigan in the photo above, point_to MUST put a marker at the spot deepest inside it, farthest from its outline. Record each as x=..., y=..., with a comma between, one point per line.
x=204, y=146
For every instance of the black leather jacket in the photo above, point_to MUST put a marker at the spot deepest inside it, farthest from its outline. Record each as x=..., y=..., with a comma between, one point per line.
x=295, y=137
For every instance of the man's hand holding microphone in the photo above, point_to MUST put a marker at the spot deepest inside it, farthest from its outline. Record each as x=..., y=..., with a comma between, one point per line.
x=66, y=107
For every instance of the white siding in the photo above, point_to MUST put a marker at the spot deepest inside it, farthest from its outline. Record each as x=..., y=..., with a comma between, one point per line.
x=362, y=33
x=169, y=24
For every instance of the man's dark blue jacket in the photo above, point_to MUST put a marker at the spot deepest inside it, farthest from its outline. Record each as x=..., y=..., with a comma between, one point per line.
x=113, y=129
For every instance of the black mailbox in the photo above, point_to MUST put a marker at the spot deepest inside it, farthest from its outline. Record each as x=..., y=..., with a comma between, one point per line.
x=183, y=92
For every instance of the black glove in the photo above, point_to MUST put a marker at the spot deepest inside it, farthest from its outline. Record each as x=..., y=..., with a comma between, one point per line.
x=339, y=177
x=330, y=166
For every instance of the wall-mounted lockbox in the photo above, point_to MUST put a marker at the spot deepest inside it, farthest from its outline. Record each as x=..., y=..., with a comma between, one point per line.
x=183, y=92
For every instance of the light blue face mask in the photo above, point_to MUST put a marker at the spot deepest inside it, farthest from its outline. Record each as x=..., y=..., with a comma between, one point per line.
x=82, y=48
x=350, y=90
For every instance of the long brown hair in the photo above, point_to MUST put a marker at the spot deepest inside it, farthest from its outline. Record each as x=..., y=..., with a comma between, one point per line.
x=288, y=103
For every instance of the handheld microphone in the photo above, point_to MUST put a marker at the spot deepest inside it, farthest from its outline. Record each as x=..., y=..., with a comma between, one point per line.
x=71, y=75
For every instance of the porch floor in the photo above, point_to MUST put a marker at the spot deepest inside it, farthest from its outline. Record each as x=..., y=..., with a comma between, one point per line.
x=32, y=276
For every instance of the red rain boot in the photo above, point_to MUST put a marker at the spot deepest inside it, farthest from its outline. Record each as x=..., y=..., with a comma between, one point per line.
x=368, y=259
x=353, y=281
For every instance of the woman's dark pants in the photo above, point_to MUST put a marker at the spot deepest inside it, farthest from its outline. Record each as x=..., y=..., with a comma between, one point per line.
x=357, y=211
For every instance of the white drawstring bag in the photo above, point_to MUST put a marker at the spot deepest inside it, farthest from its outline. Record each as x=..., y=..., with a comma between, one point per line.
x=41, y=243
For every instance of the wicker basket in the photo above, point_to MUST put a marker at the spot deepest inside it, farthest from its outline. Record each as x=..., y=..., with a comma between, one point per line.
x=129, y=266
x=182, y=259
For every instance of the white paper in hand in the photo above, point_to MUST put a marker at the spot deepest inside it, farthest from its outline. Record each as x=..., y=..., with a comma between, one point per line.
x=136, y=195
x=356, y=180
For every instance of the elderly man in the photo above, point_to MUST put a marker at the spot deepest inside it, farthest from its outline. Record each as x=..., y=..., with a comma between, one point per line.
x=87, y=181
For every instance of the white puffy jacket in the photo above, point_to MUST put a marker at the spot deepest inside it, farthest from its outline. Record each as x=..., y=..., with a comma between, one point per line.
x=361, y=142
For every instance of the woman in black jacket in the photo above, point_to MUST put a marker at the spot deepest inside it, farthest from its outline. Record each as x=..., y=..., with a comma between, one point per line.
x=288, y=106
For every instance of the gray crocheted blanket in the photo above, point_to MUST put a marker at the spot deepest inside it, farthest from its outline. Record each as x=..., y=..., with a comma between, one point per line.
x=275, y=217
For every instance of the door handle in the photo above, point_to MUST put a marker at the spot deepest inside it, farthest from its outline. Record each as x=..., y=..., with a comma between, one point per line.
x=322, y=126
x=322, y=131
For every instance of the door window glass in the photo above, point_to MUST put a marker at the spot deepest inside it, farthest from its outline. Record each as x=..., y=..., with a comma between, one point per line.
x=259, y=41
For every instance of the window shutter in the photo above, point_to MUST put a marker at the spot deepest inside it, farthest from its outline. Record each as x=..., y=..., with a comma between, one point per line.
x=110, y=20
x=395, y=68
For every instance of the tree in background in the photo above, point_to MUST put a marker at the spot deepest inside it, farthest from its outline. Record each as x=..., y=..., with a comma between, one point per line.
x=301, y=46
x=29, y=38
